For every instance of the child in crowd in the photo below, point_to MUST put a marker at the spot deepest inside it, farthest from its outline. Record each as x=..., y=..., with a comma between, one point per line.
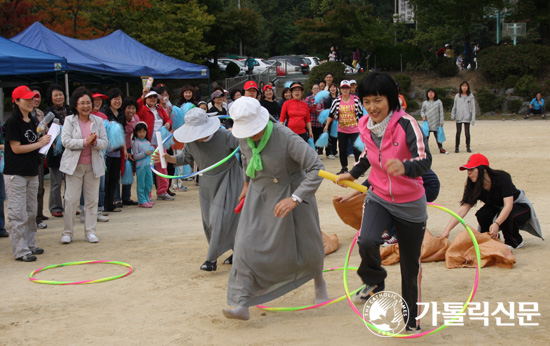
x=432, y=112
x=464, y=111
x=143, y=150
x=203, y=105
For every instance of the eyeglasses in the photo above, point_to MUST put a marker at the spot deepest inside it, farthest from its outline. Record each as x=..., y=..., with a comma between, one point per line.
x=84, y=103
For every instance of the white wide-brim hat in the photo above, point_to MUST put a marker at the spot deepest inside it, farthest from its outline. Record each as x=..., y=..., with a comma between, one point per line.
x=197, y=125
x=249, y=117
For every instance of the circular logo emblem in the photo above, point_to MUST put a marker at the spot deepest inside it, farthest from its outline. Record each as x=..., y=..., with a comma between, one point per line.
x=388, y=312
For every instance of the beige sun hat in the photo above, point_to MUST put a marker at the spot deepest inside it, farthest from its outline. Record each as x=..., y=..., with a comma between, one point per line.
x=249, y=117
x=197, y=125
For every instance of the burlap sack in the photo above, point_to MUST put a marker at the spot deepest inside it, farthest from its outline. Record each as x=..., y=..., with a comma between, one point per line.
x=461, y=253
x=330, y=243
x=389, y=254
x=433, y=249
x=351, y=212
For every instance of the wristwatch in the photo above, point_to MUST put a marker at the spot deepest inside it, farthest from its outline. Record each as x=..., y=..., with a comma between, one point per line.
x=295, y=200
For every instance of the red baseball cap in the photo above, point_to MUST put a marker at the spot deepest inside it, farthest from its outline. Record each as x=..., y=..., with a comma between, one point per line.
x=96, y=95
x=250, y=84
x=474, y=161
x=267, y=87
x=22, y=92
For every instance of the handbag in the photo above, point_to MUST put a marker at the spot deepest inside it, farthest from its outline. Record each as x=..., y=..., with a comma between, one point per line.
x=425, y=128
x=441, y=135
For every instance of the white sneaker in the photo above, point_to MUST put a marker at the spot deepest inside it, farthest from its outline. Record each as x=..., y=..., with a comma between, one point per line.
x=65, y=239
x=102, y=218
x=390, y=242
x=92, y=238
x=362, y=296
x=520, y=245
x=331, y=157
x=165, y=197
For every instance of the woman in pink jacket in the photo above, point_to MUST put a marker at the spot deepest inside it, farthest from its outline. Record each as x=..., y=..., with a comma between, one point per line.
x=398, y=156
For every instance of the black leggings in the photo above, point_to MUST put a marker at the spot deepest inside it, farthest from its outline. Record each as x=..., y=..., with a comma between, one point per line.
x=332, y=148
x=317, y=132
x=520, y=214
x=466, y=133
x=410, y=235
x=112, y=176
x=439, y=145
x=343, y=147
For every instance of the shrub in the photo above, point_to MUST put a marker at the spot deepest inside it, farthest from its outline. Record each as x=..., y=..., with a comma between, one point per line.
x=412, y=105
x=526, y=86
x=498, y=103
x=510, y=81
x=497, y=63
x=404, y=81
x=446, y=68
x=232, y=69
x=447, y=103
x=545, y=87
x=390, y=57
x=515, y=105
x=486, y=100
x=215, y=74
x=318, y=73
x=441, y=92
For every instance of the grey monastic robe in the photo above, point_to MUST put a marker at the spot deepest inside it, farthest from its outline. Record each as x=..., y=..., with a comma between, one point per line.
x=219, y=189
x=272, y=255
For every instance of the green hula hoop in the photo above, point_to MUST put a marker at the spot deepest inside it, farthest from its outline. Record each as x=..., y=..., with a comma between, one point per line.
x=428, y=332
x=191, y=174
x=31, y=275
x=313, y=306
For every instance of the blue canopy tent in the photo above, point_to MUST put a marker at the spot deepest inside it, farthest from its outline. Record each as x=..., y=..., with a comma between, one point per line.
x=116, y=54
x=17, y=59
x=20, y=64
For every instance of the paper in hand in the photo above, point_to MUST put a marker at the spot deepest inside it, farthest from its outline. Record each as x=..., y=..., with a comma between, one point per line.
x=54, y=132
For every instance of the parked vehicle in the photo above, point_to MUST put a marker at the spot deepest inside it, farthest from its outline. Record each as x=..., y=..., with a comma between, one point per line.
x=290, y=64
x=312, y=61
x=226, y=61
x=349, y=69
x=260, y=65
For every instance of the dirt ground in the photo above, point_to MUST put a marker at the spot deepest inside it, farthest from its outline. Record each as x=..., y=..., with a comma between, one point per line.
x=168, y=300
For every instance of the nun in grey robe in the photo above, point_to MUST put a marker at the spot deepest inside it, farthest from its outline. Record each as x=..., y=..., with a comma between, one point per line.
x=274, y=255
x=207, y=144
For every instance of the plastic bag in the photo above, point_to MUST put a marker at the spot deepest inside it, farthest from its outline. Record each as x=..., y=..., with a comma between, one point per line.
x=425, y=128
x=441, y=135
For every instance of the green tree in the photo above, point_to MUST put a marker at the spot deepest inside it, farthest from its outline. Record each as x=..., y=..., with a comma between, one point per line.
x=537, y=15
x=348, y=26
x=175, y=28
x=437, y=23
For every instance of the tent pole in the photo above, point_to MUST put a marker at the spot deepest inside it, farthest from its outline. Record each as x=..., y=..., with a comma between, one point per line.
x=208, y=85
x=2, y=105
x=127, y=89
x=67, y=87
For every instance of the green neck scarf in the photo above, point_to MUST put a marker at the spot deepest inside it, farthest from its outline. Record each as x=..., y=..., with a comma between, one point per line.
x=255, y=163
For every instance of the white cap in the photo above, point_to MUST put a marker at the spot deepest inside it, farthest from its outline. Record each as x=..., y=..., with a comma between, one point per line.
x=151, y=93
